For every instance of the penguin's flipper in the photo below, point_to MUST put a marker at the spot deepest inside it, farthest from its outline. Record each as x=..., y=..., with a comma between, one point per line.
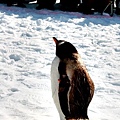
x=64, y=84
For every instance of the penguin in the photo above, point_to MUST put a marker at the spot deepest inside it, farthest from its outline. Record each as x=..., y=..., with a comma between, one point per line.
x=71, y=84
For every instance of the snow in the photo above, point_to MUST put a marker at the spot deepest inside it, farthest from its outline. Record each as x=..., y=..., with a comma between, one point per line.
x=27, y=51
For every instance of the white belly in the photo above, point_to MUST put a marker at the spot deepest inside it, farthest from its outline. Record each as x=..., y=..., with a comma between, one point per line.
x=55, y=85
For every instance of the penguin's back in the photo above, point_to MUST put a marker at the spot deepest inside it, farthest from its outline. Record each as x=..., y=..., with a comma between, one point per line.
x=81, y=87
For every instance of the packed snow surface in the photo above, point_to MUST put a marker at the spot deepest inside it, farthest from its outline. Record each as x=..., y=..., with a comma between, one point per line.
x=27, y=50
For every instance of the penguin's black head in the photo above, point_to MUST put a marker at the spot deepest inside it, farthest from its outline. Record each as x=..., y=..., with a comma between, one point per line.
x=64, y=49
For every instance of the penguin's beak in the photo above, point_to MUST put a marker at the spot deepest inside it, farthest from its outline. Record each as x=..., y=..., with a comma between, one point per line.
x=55, y=40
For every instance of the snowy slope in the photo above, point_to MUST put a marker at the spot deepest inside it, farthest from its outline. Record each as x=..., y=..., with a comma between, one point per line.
x=27, y=50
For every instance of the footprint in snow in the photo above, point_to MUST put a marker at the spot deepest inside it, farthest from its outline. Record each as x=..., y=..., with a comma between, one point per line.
x=14, y=89
x=15, y=57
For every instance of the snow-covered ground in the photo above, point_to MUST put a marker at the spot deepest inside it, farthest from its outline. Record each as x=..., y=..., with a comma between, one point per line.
x=27, y=50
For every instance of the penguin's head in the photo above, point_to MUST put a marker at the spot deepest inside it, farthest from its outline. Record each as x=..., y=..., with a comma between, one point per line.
x=64, y=49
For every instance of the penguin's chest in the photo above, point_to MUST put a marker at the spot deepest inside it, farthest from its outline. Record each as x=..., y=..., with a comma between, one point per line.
x=55, y=85
x=55, y=75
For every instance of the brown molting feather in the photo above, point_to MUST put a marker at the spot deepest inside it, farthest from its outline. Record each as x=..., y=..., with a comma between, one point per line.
x=81, y=87
x=73, y=64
